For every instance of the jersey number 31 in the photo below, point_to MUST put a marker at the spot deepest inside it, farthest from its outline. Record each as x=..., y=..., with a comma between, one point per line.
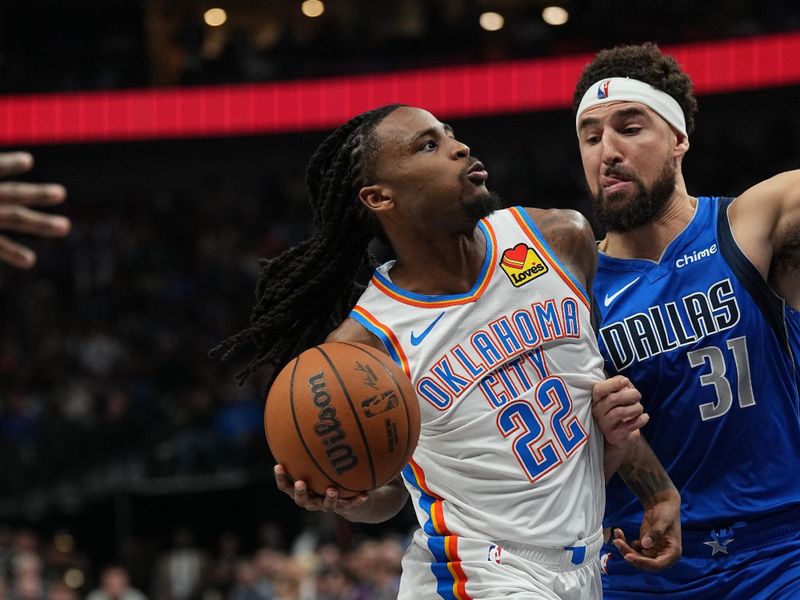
x=715, y=358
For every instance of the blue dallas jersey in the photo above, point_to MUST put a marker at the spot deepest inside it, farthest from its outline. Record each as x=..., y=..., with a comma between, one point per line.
x=712, y=350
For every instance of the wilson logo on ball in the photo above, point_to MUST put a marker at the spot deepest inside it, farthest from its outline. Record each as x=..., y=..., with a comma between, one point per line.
x=329, y=427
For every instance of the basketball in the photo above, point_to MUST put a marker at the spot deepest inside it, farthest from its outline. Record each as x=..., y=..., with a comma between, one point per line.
x=342, y=414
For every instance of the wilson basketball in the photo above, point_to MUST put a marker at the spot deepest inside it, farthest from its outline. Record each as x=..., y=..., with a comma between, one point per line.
x=342, y=414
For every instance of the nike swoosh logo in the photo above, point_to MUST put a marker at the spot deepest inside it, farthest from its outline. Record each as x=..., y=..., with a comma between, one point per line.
x=416, y=340
x=612, y=297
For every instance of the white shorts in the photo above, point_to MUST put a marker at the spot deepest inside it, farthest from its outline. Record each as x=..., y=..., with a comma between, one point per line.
x=459, y=568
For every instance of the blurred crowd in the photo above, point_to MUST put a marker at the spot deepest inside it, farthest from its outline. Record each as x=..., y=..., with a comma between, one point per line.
x=104, y=366
x=311, y=568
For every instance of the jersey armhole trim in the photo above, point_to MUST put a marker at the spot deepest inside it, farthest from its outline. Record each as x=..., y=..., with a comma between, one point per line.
x=367, y=320
x=528, y=226
x=770, y=304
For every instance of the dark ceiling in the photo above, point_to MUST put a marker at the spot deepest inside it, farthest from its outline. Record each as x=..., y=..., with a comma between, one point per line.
x=50, y=45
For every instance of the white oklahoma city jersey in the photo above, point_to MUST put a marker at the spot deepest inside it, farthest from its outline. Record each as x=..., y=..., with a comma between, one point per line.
x=508, y=449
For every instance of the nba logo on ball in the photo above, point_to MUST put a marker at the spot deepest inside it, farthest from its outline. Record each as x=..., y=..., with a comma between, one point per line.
x=384, y=401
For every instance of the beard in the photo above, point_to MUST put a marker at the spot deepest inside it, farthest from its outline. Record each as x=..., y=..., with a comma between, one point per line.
x=480, y=206
x=643, y=208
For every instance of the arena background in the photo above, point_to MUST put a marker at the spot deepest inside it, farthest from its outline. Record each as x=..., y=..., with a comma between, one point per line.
x=182, y=146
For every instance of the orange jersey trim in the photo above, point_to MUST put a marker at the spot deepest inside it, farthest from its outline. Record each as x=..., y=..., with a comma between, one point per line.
x=423, y=301
x=385, y=334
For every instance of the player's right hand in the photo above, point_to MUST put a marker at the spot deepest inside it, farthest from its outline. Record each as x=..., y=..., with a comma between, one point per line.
x=660, y=544
x=15, y=198
x=618, y=410
x=309, y=500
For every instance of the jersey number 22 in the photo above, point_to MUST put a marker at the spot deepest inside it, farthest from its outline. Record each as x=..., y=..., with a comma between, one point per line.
x=539, y=454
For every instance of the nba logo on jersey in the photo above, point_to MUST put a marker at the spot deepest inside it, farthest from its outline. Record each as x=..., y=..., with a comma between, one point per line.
x=604, y=558
x=522, y=264
x=494, y=553
x=602, y=90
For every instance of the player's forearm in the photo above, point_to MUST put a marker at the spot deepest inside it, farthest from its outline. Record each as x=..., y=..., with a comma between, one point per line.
x=382, y=504
x=643, y=473
x=613, y=457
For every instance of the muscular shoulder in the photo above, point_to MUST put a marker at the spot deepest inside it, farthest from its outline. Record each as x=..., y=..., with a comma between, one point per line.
x=766, y=224
x=571, y=237
x=352, y=331
x=560, y=223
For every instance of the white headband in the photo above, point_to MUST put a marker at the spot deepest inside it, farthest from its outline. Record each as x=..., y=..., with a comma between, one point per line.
x=632, y=90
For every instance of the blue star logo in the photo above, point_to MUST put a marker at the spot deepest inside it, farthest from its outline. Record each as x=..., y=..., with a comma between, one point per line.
x=719, y=541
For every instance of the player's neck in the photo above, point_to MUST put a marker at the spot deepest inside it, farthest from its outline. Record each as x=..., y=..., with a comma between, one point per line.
x=650, y=240
x=449, y=265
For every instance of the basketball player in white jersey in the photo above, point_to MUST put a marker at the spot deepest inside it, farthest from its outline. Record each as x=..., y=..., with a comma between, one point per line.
x=488, y=314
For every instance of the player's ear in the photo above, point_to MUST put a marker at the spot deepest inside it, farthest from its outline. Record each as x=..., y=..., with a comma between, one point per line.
x=682, y=145
x=376, y=197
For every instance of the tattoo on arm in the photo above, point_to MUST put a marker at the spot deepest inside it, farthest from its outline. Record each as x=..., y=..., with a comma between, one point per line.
x=643, y=473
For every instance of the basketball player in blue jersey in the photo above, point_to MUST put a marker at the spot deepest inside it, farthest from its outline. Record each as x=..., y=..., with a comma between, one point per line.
x=16, y=216
x=698, y=301
x=488, y=313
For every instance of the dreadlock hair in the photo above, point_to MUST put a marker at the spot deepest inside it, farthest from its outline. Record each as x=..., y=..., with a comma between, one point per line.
x=308, y=290
x=645, y=63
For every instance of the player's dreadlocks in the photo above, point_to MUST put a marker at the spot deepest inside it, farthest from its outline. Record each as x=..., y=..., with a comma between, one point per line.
x=308, y=290
x=647, y=64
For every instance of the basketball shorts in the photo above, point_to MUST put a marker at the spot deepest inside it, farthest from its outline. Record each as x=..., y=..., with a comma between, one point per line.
x=457, y=568
x=754, y=561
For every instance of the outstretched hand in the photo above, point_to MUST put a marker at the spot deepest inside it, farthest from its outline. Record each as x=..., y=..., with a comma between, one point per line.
x=309, y=500
x=15, y=216
x=659, y=544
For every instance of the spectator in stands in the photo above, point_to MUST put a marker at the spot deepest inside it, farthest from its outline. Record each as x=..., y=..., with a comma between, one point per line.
x=27, y=577
x=61, y=591
x=179, y=572
x=289, y=581
x=115, y=585
x=246, y=584
x=334, y=583
x=222, y=571
x=267, y=562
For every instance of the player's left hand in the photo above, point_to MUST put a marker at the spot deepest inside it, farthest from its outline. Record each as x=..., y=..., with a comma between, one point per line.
x=299, y=491
x=659, y=545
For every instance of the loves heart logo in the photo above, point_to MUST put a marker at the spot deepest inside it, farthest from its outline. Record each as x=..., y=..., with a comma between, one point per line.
x=522, y=264
x=515, y=257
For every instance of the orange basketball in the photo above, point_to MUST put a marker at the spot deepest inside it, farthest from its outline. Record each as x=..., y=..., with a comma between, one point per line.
x=342, y=414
